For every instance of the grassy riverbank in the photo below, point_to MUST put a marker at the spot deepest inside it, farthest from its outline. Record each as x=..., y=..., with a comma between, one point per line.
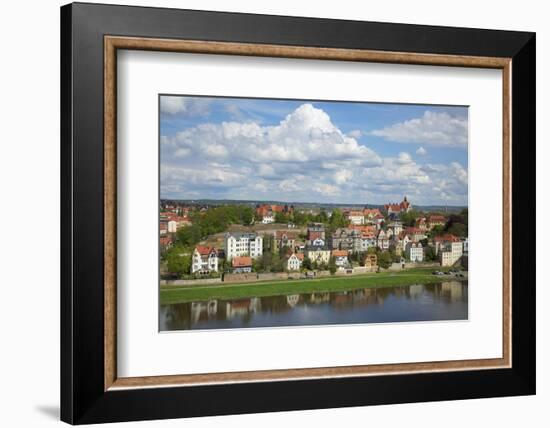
x=171, y=294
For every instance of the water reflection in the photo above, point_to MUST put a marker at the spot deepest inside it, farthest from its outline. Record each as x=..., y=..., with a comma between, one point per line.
x=442, y=301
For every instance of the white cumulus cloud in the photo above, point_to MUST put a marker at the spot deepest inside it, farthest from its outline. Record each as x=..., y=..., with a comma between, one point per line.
x=433, y=128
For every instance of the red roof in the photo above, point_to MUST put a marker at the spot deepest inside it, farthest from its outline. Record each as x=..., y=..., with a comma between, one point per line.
x=436, y=218
x=280, y=234
x=339, y=253
x=371, y=211
x=204, y=251
x=446, y=238
x=241, y=261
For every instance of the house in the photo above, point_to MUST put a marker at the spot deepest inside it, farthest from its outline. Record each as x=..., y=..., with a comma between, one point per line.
x=364, y=228
x=371, y=213
x=294, y=261
x=163, y=228
x=243, y=244
x=414, y=251
x=379, y=221
x=399, y=243
x=282, y=238
x=449, y=249
x=172, y=226
x=165, y=242
x=241, y=264
x=421, y=224
x=402, y=207
x=435, y=220
x=382, y=240
x=268, y=218
x=345, y=239
x=340, y=257
x=317, y=242
x=396, y=227
x=315, y=231
x=318, y=254
x=204, y=260
x=368, y=240
x=265, y=209
x=355, y=217
x=371, y=262
x=415, y=233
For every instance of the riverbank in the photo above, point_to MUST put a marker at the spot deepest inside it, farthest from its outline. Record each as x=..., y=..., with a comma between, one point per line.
x=170, y=295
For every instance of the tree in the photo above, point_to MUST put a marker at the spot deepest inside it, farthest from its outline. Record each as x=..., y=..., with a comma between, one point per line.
x=409, y=218
x=458, y=229
x=188, y=236
x=384, y=259
x=332, y=265
x=281, y=218
x=177, y=262
x=306, y=264
x=437, y=230
x=337, y=219
x=429, y=254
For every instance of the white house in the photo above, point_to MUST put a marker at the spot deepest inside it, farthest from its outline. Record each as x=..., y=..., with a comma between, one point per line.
x=204, y=260
x=317, y=242
x=268, y=218
x=294, y=262
x=356, y=217
x=367, y=241
x=383, y=241
x=340, y=257
x=243, y=244
x=172, y=226
x=415, y=252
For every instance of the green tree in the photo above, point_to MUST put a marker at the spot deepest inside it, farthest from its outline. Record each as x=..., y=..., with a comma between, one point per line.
x=306, y=264
x=332, y=265
x=429, y=254
x=409, y=218
x=384, y=259
x=281, y=218
x=188, y=236
x=337, y=219
x=177, y=261
x=458, y=229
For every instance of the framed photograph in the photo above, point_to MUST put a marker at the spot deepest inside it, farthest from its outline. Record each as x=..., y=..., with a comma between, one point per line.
x=266, y=213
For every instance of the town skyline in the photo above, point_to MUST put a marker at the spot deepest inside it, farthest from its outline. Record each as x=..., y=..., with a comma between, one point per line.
x=309, y=151
x=321, y=204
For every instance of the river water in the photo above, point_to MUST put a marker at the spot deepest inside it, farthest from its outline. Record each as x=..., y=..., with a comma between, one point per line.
x=430, y=302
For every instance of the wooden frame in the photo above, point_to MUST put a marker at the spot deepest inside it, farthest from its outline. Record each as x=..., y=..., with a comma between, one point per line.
x=513, y=54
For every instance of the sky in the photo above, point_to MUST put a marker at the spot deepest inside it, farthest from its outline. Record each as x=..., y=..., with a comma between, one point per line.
x=312, y=151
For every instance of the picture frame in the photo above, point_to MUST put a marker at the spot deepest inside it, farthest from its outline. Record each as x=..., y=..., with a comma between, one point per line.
x=91, y=391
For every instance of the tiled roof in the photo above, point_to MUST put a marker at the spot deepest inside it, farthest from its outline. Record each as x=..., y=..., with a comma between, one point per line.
x=241, y=261
x=339, y=253
x=204, y=251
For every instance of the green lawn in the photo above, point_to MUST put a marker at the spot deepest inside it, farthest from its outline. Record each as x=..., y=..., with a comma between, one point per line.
x=172, y=294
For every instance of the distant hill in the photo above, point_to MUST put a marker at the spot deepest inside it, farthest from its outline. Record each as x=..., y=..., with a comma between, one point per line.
x=307, y=205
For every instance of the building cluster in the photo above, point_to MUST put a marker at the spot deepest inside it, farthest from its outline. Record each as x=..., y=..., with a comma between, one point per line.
x=172, y=218
x=366, y=229
x=267, y=212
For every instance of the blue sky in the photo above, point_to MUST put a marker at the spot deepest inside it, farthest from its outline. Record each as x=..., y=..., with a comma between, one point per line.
x=310, y=151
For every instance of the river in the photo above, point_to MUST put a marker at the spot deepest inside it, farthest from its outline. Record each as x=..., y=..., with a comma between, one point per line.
x=430, y=302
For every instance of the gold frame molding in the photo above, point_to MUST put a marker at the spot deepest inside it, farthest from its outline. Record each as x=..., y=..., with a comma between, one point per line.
x=113, y=43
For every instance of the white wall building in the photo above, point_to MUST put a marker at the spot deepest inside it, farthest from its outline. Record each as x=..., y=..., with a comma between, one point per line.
x=356, y=217
x=415, y=252
x=294, y=262
x=243, y=244
x=268, y=219
x=172, y=226
x=204, y=260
